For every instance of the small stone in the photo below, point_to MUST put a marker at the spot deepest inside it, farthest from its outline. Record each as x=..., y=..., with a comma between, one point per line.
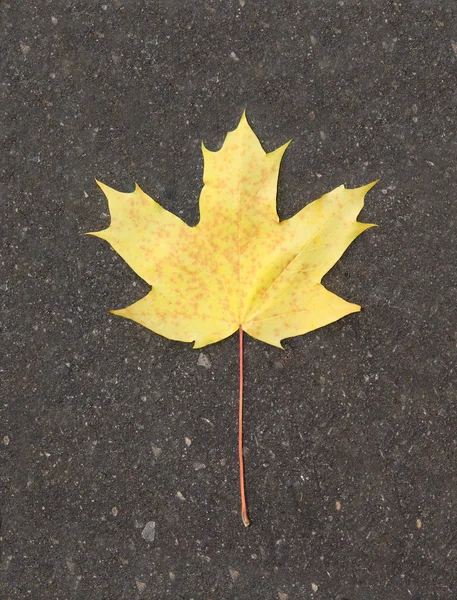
x=234, y=56
x=149, y=532
x=156, y=451
x=242, y=3
x=114, y=511
x=314, y=587
x=141, y=586
x=234, y=574
x=283, y=596
x=171, y=575
x=180, y=496
x=24, y=48
x=203, y=361
x=418, y=523
x=71, y=565
x=198, y=466
x=188, y=441
x=6, y=440
x=338, y=505
x=454, y=46
x=54, y=20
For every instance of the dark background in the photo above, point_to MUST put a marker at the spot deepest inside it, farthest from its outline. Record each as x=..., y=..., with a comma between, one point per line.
x=95, y=409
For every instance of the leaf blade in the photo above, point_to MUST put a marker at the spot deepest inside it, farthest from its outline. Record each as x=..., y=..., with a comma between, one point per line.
x=239, y=266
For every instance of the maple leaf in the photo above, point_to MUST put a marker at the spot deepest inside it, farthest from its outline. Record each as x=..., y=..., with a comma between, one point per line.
x=239, y=268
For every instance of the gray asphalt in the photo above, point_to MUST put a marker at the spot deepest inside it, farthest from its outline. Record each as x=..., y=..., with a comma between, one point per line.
x=119, y=447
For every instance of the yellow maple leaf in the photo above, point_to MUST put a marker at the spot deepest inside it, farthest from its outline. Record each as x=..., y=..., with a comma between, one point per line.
x=239, y=267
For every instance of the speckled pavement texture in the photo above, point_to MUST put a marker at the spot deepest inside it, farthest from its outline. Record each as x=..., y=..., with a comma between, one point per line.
x=118, y=461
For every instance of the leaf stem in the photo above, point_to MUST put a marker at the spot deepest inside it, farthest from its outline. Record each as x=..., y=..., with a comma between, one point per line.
x=244, y=512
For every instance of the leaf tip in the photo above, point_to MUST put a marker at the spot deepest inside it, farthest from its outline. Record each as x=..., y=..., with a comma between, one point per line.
x=364, y=226
x=279, y=152
x=120, y=312
x=206, y=151
x=137, y=189
x=276, y=344
x=244, y=120
x=367, y=188
x=98, y=234
x=100, y=184
x=105, y=189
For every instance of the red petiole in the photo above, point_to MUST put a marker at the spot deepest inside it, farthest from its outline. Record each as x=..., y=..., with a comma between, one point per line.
x=244, y=513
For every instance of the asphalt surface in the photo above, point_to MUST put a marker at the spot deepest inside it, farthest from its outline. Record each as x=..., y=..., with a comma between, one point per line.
x=119, y=447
